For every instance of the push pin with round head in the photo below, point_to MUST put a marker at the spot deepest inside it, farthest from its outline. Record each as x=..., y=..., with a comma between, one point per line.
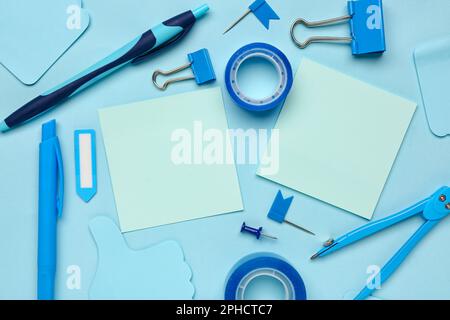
x=257, y=232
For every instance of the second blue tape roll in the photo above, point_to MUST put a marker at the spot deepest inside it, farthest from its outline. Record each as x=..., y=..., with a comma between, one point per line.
x=264, y=264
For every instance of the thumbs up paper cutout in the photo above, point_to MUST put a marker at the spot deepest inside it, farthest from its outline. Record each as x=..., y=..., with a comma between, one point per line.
x=157, y=272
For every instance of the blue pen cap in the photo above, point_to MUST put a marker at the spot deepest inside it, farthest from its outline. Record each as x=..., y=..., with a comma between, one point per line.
x=49, y=133
x=200, y=11
x=49, y=130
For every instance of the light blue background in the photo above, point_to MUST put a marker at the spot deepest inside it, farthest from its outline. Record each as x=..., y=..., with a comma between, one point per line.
x=212, y=246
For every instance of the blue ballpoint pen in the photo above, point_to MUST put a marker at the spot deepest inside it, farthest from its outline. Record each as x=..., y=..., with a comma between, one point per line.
x=51, y=194
x=151, y=41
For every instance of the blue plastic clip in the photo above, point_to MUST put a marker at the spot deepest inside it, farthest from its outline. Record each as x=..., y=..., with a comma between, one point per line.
x=202, y=69
x=366, y=28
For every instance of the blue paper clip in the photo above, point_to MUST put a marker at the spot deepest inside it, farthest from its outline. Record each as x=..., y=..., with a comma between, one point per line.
x=366, y=28
x=201, y=66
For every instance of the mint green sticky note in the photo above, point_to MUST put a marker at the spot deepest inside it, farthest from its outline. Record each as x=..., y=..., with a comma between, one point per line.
x=338, y=138
x=167, y=159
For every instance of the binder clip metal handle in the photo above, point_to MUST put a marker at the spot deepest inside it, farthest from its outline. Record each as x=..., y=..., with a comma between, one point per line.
x=168, y=73
x=315, y=24
x=201, y=66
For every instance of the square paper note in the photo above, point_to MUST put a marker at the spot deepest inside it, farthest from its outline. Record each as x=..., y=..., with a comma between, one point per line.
x=338, y=138
x=156, y=153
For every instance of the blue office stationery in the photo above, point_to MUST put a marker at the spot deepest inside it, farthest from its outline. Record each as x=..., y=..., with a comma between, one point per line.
x=421, y=277
x=366, y=28
x=202, y=70
x=51, y=194
x=432, y=62
x=262, y=10
x=139, y=49
x=432, y=209
x=85, y=164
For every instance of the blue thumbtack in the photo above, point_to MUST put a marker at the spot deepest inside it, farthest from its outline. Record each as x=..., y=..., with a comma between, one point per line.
x=366, y=28
x=279, y=210
x=255, y=231
x=261, y=10
x=199, y=62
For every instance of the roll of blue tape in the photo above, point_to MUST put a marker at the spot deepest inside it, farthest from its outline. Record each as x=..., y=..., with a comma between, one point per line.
x=279, y=61
x=264, y=264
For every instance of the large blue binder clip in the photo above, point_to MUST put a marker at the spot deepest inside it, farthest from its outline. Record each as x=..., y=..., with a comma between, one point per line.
x=366, y=28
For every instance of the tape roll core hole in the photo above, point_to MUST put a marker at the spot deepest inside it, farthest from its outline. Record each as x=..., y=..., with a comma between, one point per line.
x=265, y=285
x=257, y=77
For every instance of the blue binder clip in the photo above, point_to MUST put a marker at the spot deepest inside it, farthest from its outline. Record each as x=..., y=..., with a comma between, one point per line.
x=366, y=28
x=199, y=62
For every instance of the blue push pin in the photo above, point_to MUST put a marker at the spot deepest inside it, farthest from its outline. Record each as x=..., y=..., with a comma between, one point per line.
x=202, y=69
x=257, y=232
x=261, y=10
x=279, y=210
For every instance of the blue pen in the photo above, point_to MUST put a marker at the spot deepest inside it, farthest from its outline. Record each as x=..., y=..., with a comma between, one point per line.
x=51, y=193
x=137, y=50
